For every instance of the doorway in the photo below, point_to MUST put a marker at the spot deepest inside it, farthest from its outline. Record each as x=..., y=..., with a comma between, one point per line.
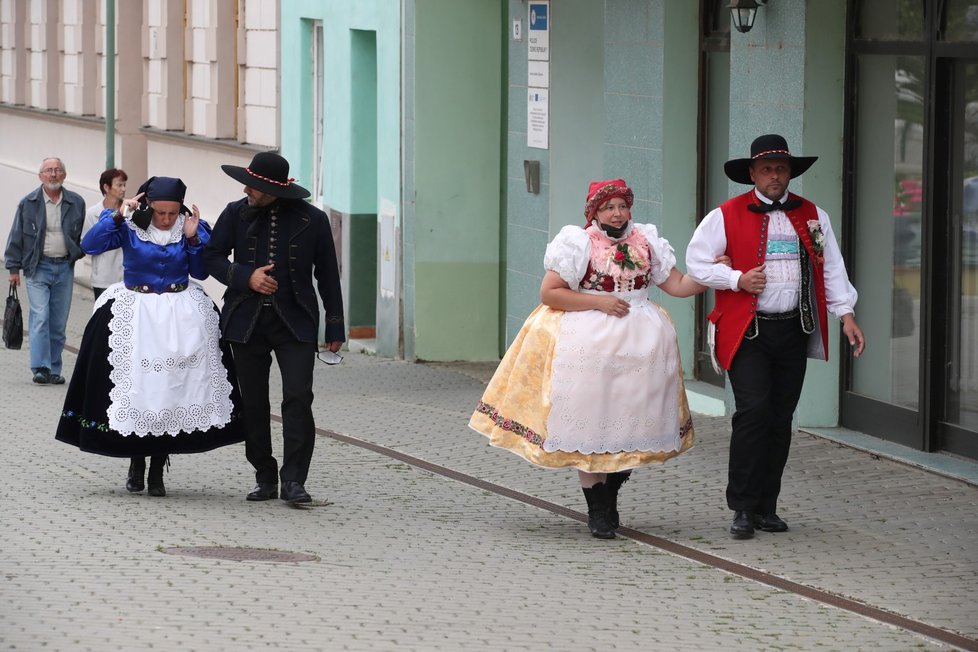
x=912, y=211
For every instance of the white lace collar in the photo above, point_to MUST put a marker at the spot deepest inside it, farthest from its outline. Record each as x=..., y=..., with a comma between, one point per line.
x=156, y=236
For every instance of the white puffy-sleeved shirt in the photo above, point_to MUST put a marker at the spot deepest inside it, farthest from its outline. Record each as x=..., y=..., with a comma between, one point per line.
x=781, y=294
x=591, y=261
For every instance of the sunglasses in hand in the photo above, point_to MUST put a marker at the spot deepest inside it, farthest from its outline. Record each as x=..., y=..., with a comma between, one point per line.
x=329, y=357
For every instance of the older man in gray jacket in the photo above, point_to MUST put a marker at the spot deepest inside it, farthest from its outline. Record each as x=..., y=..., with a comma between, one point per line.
x=44, y=243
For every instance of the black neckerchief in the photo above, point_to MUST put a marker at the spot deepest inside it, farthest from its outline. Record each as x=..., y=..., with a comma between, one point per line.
x=257, y=217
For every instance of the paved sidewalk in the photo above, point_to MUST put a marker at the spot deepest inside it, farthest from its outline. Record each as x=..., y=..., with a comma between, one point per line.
x=408, y=560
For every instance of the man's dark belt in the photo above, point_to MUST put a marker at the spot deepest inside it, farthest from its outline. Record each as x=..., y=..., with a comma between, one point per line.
x=778, y=316
x=59, y=259
x=149, y=289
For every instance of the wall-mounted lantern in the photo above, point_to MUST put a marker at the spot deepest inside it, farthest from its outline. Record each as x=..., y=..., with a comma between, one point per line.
x=743, y=13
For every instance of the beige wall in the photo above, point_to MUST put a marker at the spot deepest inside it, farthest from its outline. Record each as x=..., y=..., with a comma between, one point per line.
x=197, y=87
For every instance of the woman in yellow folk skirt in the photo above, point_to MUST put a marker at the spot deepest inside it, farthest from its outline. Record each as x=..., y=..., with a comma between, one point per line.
x=593, y=380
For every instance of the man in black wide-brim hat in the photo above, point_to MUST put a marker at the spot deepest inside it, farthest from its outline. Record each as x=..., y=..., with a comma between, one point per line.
x=771, y=314
x=280, y=245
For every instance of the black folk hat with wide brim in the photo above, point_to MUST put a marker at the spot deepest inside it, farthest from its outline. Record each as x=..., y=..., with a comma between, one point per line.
x=766, y=146
x=268, y=173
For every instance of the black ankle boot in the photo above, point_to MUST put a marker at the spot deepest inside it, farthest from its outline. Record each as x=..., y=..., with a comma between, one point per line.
x=614, y=482
x=155, y=478
x=597, y=511
x=137, y=471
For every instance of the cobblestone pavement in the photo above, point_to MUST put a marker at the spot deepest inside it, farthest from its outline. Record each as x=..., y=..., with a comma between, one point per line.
x=409, y=560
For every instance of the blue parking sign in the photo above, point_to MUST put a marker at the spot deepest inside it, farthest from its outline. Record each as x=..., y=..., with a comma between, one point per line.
x=538, y=16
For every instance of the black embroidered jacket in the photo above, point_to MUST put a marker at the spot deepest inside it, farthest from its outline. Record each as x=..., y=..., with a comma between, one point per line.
x=294, y=236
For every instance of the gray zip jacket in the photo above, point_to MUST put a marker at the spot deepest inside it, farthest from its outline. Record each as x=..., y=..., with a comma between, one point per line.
x=26, y=240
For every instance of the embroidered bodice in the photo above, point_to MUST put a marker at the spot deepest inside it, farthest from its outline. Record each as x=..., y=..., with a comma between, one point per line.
x=144, y=262
x=590, y=261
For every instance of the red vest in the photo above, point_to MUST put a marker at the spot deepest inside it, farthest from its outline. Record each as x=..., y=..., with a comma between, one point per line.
x=747, y=248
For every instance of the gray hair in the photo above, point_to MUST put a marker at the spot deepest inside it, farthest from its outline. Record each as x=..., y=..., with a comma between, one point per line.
x=51, y=158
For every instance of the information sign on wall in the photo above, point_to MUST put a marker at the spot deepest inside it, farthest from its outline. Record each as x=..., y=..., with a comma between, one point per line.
x=538, y=75
x=539, y=31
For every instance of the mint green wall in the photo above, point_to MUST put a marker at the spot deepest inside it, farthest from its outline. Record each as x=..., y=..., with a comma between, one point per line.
x=680, y=83
x=825, y=41
x=577, y=110
x=363, y=119
x=527, y=214
x=362, y=135
x=457, y=85
x=339, y=17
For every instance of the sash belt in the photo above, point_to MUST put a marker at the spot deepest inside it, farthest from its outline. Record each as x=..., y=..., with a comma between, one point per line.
x=149, y=289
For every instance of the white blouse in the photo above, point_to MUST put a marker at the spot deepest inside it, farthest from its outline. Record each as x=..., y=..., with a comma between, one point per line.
x=570, y=252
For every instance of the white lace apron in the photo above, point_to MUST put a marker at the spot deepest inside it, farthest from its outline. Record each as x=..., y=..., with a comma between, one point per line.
x=633, y=361
x=167, y=371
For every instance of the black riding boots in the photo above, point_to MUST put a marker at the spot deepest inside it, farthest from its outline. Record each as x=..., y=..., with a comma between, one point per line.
x=155, y=478
x=597, y=511
x=137, y=473
x=614, y=481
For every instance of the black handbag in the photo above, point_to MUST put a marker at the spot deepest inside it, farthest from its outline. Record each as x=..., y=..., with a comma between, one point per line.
x=13, y=320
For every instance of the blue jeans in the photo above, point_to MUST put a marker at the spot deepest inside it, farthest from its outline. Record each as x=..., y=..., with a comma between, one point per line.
x=49, y=294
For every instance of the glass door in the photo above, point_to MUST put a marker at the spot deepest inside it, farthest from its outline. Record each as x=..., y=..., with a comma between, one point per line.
x=960, y=419
x=912, y=212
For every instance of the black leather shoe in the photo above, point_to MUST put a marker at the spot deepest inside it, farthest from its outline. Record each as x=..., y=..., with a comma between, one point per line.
x=742, y=526
x=56, y=379
x=42, y=376
x=263, y=491
x=769, y=523
x=294, y=492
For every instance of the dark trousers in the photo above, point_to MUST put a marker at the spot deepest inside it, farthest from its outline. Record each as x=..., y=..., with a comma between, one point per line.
x=766, y=375
x=295, y=362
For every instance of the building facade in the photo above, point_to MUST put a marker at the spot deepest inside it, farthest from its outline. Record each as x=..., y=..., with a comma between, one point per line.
x=450, y=141
x=195, y=85
x=884, y=92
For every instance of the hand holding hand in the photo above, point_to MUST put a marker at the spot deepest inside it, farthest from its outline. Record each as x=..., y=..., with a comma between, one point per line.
x=190, y=222
x=724, y=259
x=753, y=281
x=261, y=282
x=611, y=305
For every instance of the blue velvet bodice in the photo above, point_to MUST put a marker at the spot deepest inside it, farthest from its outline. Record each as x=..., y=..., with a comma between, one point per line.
x=144, y=262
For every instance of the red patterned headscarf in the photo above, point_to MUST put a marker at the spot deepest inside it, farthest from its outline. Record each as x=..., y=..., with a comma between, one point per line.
x=601, y=191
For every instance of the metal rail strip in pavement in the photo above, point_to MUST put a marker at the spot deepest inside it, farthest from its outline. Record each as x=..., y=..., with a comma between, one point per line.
x=824, y=597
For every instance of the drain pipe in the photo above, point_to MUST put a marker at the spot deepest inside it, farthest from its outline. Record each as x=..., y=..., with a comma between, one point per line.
x=109, y=84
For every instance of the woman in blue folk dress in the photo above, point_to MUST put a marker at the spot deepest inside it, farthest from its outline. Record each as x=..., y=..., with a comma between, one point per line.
x=152, y=376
